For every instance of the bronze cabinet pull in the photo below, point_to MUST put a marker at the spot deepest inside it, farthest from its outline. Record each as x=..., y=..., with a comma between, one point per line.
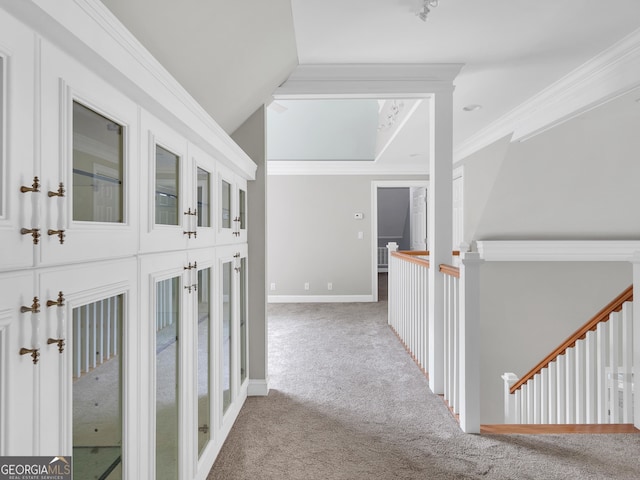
x=35, y=353
x=57, y=341
x=35, y=187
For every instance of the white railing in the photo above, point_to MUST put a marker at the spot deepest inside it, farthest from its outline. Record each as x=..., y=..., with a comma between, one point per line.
x=409, y=318
x=383, y=257
x=587, y=380
x=451, y=337
x=461, y=345
x=409, y=301
x=95, y=334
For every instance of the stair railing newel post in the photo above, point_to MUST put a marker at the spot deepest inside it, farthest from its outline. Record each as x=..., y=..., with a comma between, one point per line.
x=392, y=293
x=469, y=345
x=510, y=380
x=635, y=260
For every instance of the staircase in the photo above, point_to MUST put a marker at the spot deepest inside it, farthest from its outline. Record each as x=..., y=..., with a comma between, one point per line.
x=587, y=379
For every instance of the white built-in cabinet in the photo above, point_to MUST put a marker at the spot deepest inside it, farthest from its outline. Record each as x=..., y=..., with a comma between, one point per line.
x=232, y=207
x=123, y=273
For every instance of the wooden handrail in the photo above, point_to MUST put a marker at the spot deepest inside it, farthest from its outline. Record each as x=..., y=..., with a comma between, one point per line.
x=454, y=253
x=408, y=256
x=602, y=316
x=411, y=257
x=450, y=270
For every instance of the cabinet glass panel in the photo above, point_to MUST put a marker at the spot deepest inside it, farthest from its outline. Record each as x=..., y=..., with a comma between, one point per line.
x=204, y=359
x=204, y=198
x=226, y=205
x=226, y=335
x=98, y=167
x=2, y=160
x=243, y=319
x=243, y=209
x=167, y=187
x=97, y=389
x=167, y=317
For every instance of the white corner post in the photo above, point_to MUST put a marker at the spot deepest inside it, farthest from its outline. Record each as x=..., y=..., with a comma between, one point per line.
x=510, y=380
x=440, y=225
x=470, y=342
x=636, y=333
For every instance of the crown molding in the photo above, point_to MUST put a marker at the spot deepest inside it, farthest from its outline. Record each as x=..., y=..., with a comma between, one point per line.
x=283, y=167
x=608, y=75
x=369, y=81
x=558, y=250
x=88, y=31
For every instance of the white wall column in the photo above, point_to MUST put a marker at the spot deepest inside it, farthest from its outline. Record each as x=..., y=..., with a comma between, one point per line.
x=440, y=217
x=636, y=333
x=469, y=342
x=251, y=137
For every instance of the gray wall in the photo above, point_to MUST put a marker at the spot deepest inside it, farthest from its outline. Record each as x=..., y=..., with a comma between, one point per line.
x=576, y=181
x=251, y=138
x=313, y=236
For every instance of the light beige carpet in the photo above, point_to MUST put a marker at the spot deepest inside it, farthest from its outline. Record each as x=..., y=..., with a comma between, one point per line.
x=347, y=402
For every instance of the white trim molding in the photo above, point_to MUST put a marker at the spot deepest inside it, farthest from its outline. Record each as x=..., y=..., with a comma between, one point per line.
x=319, y=298
x=558, y=250
x=606, y=76
x=308, y=167
x=258, y=388
x=369, y=81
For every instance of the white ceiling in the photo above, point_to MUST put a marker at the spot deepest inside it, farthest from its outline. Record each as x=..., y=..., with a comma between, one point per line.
x=231, y=55
x=512, y=49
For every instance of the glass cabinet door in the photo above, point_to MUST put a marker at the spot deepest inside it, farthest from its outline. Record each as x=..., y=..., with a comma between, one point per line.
x=168, y=297
x=227, y=335
x=89, y=175
x=243, y=319
x=98, y=167
x=204, y=322
x=97, y=388
x=202, y=197
x=167, y=187
x=241, y=216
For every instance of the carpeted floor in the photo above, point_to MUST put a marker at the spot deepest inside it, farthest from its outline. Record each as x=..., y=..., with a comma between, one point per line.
x=347, y=402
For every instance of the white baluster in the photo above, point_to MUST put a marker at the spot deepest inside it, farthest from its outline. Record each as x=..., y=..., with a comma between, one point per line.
x=457, y=387
x=544, y=395
x=530, y=402
x=518, y=404
x=92, y=323
x=581, y=361
x=524, y=403
x=101, y=327
x=85, y=327
x=602, y=352
x=77, y=343
x=627, y=362
x=571, y=385
x=591, y=377
x=553, y=392
x=561, y=376
x=614, y=362
x=116, y=309
x=536, y=398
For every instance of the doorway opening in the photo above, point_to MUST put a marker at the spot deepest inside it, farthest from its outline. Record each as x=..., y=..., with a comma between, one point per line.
x=399, y=216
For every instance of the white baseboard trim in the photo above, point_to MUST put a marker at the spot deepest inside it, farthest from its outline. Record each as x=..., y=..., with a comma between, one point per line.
x=319, y=298
x=258, y=388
